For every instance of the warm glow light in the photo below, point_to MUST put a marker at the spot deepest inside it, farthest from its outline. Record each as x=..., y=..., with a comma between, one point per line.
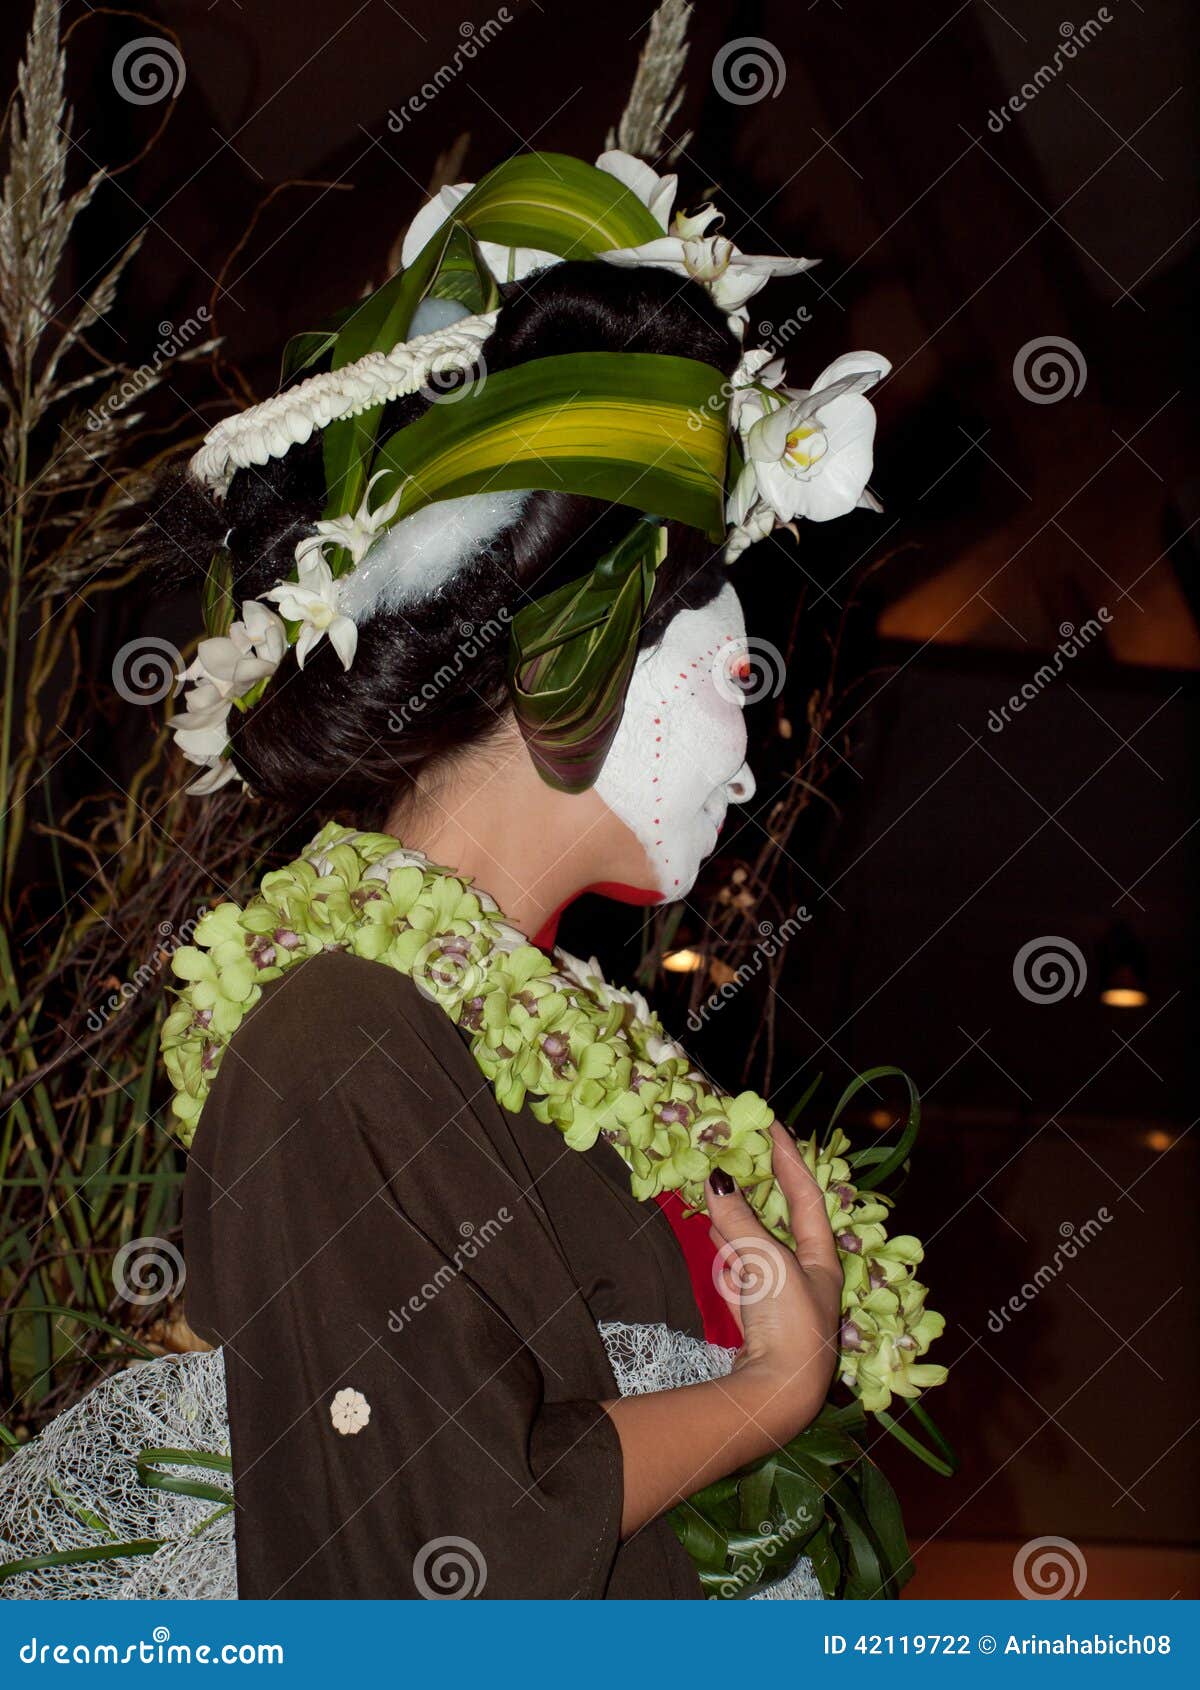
x=1124, y=997
x=880, y=1119
x=683, y=962
x=1157, y=1139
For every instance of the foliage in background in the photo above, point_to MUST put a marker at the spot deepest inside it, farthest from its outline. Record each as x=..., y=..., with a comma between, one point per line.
x=84, y=1165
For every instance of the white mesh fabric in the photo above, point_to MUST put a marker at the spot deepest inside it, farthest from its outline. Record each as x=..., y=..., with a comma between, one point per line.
x=85, y=1462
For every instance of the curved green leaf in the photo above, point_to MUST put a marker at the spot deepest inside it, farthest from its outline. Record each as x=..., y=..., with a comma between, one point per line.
x=558, y=204
x=571, y=654
x=642, y=429
x=78, y=1557
x=150, y=1460
x=882, y=1161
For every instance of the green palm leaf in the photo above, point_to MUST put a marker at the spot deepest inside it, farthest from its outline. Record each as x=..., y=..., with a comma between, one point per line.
x=571, y=655
x=543, y=200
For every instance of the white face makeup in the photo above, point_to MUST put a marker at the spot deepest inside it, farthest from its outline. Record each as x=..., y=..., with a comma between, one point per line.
x=679, y=756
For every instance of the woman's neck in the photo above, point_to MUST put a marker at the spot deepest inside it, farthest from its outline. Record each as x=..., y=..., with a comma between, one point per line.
x=498, y=824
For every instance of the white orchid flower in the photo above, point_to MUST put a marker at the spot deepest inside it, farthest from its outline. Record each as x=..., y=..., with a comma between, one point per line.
x=357, y=531
x=731, y=277
x=756, y=368
x=314, y=600
x=756, y=523
x=201, y=732
x=201, y=728
x=220, y=771
x=507, y=263
x=235, y=661
x=657, y=193
x=809, y=453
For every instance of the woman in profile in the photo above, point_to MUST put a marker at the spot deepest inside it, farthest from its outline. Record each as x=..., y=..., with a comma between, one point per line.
x=407, y=1279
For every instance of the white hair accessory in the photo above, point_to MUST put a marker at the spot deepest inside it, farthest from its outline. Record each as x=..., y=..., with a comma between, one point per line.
x=418, y=555
x=271, y=429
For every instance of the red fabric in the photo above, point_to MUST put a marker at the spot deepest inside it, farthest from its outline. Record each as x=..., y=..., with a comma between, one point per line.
x=699, y=1251
x=700, y=1254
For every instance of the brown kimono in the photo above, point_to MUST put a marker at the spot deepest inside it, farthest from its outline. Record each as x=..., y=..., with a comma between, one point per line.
x=361, y=1216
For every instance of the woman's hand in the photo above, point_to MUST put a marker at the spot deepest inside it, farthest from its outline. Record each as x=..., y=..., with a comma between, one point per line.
x=673, y=1443
x=787, y=1303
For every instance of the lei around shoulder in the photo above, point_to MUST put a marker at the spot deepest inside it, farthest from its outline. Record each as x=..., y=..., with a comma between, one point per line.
x=588, y=1058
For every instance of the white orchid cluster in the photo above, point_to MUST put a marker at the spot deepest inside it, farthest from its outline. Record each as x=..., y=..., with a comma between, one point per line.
x=230, y=670
x=807, y=452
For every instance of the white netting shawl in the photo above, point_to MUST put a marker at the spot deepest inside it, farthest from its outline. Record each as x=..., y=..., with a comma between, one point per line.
x=83, y=1469
x=85, y=1465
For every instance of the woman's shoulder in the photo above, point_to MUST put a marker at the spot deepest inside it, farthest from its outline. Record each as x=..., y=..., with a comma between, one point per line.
x=330, y=1018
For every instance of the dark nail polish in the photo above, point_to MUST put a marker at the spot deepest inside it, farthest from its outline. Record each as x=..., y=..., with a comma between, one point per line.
x=722, y=1183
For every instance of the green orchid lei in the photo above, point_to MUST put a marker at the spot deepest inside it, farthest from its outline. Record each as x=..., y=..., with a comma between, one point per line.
x=591, y=1060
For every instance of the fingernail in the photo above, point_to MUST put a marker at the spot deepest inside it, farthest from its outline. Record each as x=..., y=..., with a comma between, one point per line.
x=722, y=1183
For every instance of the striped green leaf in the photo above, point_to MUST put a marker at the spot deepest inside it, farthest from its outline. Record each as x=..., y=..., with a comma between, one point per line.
x=632, y=428
x=571, y=654
x=543, y=200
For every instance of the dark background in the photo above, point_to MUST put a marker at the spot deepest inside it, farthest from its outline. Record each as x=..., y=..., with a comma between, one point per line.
x=946, y=846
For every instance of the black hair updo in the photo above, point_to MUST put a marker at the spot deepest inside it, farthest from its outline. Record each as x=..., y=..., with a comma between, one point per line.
x=325, y=739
